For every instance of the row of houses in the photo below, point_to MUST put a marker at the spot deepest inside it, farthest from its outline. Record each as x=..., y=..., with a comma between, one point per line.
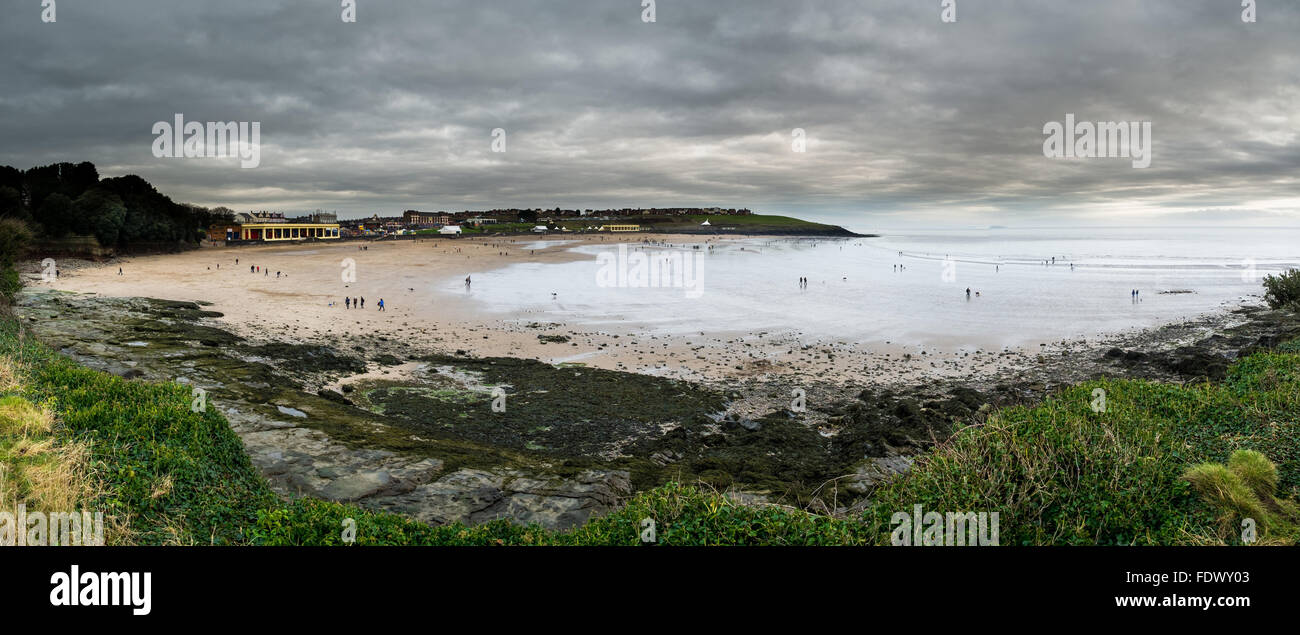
x=414, y=218
x=275, y=226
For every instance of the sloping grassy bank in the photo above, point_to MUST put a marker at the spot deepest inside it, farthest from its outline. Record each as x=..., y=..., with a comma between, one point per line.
x=1061, y=472
x=1064, y=473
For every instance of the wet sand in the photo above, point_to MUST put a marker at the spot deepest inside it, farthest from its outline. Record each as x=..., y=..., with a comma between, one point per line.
x=296, y=307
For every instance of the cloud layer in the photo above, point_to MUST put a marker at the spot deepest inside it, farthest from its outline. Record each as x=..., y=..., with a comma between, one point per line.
x=907, y=118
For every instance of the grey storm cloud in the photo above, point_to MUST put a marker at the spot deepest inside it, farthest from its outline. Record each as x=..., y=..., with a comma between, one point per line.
x=906, y=116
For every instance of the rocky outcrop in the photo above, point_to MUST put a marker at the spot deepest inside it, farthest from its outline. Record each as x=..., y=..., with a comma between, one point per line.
x=476, y=496
x=876, y=471
x=281, y=426
x=301, y=461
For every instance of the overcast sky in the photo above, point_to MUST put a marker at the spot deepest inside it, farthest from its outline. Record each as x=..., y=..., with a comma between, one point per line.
x=908, y=119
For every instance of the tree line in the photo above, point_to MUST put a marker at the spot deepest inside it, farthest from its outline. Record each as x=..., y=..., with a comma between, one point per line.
x=65, y=198
x=55, y=201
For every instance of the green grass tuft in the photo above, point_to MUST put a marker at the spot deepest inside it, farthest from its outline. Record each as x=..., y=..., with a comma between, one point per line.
x=1256, y=471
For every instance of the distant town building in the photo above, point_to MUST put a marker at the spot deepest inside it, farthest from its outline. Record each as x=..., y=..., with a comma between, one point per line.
x=424, y=219
x=259, y=217
x=318, y=217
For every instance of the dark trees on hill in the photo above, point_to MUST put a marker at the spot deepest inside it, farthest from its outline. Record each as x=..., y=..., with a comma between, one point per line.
x=65, y=198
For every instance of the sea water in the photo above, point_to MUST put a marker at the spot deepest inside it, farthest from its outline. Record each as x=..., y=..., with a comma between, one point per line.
x=909, y=287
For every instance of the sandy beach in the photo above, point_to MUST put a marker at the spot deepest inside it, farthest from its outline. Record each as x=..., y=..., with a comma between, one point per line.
x=305, y=304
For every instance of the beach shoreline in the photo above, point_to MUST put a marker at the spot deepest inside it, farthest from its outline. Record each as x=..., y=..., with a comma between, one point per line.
x=296, y=308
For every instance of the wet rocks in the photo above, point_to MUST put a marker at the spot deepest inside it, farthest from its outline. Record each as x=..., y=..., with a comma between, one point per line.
x=307, y=358
x=875, y=471
x=302, y=462
x=335, y=396
x=664, y=458
x=319, y=445
x=357, y=486
x=476, y=496
x=386, y=359
x=1193, y=362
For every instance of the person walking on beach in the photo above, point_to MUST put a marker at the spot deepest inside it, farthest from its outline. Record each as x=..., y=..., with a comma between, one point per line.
x=381, y=304
x=967, y=293
x=363, y=301
x=119, y=271
x=467, y=282
x=347, y=303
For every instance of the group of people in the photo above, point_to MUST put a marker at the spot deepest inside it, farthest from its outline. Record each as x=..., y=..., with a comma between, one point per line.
x=803, y=282
x=358, y=303
x=265, y=272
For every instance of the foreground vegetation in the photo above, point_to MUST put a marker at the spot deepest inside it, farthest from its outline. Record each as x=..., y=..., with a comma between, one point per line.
x=1064, y=473
x=1140, y=469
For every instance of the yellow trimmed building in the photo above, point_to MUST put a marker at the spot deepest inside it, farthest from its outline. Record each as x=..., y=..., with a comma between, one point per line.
x=621, y=228
x=282, y=231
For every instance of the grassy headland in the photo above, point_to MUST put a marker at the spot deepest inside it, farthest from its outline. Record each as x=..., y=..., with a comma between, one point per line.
x=684, y=224
x=738, y=224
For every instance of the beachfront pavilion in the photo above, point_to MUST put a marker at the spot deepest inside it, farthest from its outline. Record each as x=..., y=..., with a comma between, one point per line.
x=288, y=231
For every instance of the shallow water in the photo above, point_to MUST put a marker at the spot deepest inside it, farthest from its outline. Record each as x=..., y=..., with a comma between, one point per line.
x=856, y=295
